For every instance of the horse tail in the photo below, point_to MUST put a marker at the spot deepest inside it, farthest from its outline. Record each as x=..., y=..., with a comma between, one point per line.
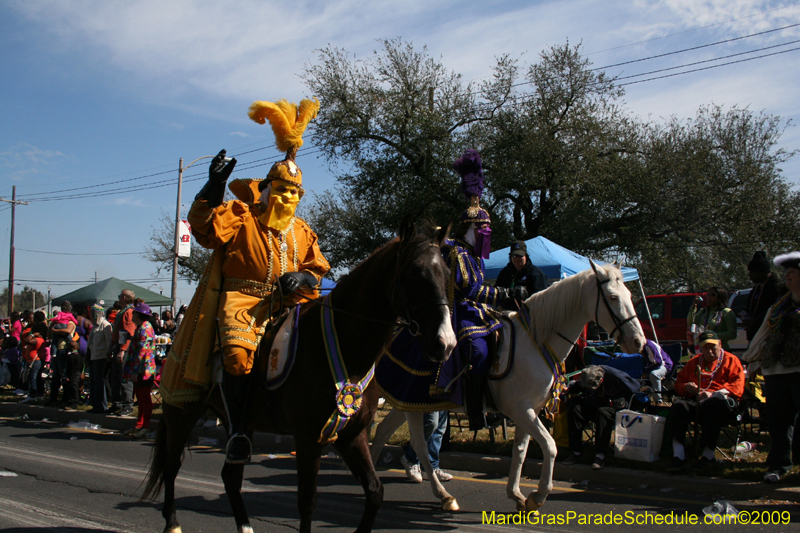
x=158, y=462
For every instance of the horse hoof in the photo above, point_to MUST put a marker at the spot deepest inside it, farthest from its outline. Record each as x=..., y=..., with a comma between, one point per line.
x=246, y=529
x=450, y=504
x=521, y=506
x=531, y=505
x=173, y=529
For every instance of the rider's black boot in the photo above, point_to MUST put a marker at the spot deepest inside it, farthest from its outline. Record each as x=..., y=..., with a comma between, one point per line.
x=235, y=389
x=474, y=402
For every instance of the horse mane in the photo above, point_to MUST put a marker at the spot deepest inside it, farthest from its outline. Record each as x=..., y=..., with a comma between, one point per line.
x=552, y=307
x=424, y=233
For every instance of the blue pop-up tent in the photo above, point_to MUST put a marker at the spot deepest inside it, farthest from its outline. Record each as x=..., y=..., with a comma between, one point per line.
x=555, y=261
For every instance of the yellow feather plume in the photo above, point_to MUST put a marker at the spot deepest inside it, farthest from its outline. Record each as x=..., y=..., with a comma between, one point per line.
x=287, y=121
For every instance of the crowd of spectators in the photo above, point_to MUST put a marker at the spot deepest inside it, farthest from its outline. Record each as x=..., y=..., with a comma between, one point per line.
x=115, y=348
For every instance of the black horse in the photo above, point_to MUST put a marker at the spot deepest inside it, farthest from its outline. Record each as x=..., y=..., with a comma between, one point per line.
x=406, y=279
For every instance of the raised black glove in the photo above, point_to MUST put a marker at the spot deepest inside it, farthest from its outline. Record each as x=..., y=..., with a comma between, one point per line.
x=219, y=170
x=218, y=173
x=292, y=280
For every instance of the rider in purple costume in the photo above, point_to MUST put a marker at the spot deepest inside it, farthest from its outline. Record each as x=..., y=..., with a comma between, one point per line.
x=474, y=321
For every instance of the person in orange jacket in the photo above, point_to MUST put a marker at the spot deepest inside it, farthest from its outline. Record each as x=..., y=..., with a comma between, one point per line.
x=710, y=386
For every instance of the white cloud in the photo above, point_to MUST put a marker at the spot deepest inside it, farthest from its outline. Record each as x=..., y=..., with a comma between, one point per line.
x=239, y=134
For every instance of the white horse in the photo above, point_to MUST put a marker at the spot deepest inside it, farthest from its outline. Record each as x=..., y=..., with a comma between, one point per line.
x=559, y=315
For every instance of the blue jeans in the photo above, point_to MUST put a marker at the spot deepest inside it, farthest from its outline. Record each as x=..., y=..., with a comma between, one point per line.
x=33, y=374
x=433, y=425
x=97, y=390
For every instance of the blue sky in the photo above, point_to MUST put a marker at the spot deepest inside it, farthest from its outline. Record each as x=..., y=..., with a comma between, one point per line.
x=97, y=92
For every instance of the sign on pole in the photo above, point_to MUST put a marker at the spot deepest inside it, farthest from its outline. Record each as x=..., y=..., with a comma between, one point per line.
x=185, y=239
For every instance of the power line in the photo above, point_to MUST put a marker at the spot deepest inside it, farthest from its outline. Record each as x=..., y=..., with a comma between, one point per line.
x=710, y=60
x=709, y=67
x=68, y=253
x=694, y=29
x=696, y=47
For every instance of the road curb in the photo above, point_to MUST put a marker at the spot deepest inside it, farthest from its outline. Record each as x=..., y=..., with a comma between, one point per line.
x=581, y=475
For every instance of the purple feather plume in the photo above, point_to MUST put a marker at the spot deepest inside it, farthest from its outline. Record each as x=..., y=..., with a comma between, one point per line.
x=469, y=166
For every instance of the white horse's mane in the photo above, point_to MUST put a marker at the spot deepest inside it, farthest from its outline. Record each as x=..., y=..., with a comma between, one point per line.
x=552, y=307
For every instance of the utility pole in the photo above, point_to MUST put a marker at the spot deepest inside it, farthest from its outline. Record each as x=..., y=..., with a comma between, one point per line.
x=181, y=168
x=13, y=203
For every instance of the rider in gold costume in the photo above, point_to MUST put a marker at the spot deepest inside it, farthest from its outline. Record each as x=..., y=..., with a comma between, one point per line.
x=270, y=259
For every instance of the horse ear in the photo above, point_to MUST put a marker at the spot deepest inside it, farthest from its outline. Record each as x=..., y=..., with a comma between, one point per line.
x=442, y=234
x=595, y=267
x=406, y=228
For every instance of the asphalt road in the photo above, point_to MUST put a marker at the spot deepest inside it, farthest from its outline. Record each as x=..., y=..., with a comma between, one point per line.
x=54, y=478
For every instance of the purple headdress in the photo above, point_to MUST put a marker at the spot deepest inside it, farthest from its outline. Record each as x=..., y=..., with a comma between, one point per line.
x=471, y=171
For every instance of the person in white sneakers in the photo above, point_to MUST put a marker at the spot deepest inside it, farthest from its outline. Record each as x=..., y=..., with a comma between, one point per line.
x=434, y=425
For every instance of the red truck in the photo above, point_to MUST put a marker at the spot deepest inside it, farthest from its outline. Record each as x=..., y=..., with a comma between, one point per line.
x=669, y=312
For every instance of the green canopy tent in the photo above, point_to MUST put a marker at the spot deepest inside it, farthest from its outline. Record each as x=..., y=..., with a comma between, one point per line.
x=106, y=292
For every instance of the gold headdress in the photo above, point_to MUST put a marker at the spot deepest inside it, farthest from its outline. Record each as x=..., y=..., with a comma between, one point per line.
x=288, y=122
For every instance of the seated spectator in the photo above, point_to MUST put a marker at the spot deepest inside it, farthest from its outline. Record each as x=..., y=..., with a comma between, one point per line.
x=711, y=399
x=140, y=368
x=434, y=425
x=659, y=365
x=598, y=394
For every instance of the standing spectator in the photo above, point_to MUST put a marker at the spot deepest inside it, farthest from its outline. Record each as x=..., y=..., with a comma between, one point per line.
x=520, y=275
x=598, y=394
x=15, y=327
x=140, y=368
x=710, y=385
x=99, y=346
x=62, y=329
x=659, y=365
x=169, y=323
x=775, y=348
x=112, y=313
x=122, y=333
x=714, y=317
x=83, y=327
x=764, y=293
x=35, y=354
x=179, y=316
x=155, y=321
x=13, y=359
x=434, y=425
x=73, y=368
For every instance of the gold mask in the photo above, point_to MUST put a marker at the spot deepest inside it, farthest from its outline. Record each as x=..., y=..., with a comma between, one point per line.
x=281, y=199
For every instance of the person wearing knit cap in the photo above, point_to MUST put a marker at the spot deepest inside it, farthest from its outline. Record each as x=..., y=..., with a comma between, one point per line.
x=764, y=293
x=775, y=352
x=265, y=259
x=99, y=346
x=470, y=298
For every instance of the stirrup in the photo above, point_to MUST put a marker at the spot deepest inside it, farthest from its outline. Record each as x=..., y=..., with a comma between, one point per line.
x=237, y=457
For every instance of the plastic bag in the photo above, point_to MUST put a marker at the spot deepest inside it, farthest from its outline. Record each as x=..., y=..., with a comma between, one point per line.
x=721, y=507
x=5, y=375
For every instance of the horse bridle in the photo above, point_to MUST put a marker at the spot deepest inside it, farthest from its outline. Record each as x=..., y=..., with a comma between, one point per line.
x=406, y=307
x=618, y=322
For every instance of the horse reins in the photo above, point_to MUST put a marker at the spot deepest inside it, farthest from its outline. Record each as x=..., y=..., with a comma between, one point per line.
x=618, y=322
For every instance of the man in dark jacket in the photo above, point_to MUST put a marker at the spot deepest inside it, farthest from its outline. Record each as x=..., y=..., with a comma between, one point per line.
x=764, y=293
x=598, y=394
x=521, y=277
